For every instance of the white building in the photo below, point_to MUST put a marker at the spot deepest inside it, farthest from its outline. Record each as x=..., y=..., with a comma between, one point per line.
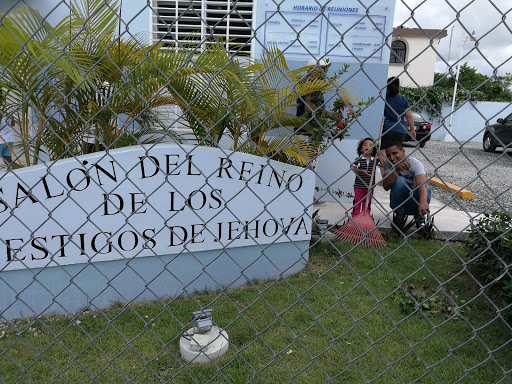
x=413, y=55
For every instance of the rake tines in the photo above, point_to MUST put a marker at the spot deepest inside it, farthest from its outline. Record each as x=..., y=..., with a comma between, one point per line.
x=374, y=237
x=361, y=229
x=349, y=232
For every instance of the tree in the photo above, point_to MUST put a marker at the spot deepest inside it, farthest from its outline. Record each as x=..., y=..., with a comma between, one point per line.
x=476, y=86
x=78, y=76
x=30, y=61
x=472, y=86
x=249, y=102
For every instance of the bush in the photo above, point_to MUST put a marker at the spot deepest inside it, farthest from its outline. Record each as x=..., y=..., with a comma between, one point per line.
x=489, y=247
x=430, y=99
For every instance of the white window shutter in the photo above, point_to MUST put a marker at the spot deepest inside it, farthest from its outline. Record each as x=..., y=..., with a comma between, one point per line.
x=192, y=23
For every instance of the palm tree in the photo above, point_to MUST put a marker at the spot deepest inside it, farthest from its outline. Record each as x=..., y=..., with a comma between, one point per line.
x=79, y=77
x=119, y=79
x=248, y=101
x=279, y=89
x=30, y=62
x=213, y=92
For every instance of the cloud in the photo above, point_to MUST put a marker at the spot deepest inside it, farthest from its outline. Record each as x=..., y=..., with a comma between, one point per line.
x=488, y=18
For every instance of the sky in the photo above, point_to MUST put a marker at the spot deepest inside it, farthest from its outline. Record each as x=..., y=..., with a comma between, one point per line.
x=493, y=47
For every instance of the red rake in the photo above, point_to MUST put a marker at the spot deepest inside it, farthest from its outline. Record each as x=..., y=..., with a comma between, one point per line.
x=362, y=228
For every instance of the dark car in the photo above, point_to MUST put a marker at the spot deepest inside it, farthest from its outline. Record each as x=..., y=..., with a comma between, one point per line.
x=422, y=128
x=498, y=135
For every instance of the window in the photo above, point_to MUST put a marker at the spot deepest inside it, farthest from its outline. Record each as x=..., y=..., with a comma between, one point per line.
x=398, y=51
x=193, y=23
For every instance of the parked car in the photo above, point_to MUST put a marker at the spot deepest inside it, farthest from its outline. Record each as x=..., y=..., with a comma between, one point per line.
x=422, y=128
x=498, y=134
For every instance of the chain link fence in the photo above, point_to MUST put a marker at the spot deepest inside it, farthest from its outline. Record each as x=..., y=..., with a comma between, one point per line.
x=238, y=109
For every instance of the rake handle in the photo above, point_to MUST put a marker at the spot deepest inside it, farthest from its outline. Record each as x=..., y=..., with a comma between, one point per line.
x=374, y=163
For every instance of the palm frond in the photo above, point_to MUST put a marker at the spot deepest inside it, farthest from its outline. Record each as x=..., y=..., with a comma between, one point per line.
x=291, y=149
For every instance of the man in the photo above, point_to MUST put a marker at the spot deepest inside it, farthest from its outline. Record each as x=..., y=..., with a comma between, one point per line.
x=6, y=138
x=310, y=102
x=405, y=177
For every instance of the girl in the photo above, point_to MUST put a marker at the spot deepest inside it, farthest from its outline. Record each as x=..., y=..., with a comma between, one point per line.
x=363, y=169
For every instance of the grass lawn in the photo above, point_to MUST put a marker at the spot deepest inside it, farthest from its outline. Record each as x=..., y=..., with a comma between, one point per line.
x=346, y=318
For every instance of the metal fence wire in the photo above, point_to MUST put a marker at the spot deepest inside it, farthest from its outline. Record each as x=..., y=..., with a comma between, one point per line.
x=83, y=84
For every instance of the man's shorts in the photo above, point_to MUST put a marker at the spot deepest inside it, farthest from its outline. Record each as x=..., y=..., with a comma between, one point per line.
x=5, y=150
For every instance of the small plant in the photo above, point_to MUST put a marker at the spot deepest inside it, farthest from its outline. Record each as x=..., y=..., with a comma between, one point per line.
x=319, y=225
x=338, y=192
x=428, y=300
x=489, y=248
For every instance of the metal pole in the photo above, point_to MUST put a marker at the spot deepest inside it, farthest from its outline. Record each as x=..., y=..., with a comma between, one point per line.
x=449, y=50
x=448, y=136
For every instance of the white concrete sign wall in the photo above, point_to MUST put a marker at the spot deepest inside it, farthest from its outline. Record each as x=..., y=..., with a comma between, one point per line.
x=159, y=200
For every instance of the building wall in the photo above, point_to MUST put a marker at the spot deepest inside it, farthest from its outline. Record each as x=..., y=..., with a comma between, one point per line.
x=469, y=120
x=53, y=11
x=134, y=13
x=420, y=62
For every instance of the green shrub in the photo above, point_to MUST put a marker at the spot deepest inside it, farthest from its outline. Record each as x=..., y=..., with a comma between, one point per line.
x=430, y=99
x=489, y=247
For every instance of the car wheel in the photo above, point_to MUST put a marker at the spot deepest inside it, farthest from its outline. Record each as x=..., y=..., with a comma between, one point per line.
x=422, y=144
x=488, y=144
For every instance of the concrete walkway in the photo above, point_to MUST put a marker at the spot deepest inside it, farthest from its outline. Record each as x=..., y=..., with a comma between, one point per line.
x=449, y=223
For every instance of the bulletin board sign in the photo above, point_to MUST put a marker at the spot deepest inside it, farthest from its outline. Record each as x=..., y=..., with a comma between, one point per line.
x=347, y=31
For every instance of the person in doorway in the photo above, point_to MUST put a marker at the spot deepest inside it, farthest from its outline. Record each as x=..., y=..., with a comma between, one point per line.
x=7, y=138
x=404, y=176
x=363, y=168
x=310, y=102
x=396, y=113
x=89, y=142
